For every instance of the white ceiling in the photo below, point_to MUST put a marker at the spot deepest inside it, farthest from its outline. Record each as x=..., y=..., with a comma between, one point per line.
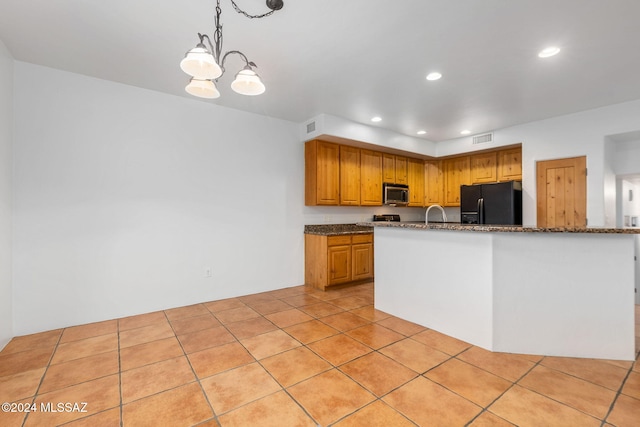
x=357, y=58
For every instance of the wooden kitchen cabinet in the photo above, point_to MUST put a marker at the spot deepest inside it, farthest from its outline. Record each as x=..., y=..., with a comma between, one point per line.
x=457, y=172
x=394, y=169
x=433, y=182
x=510, y=165
x=401, y=166
x=388, y=168
x=322, y=173
x=338, y=260
x=415, y=179
x=337, y=174
x=349, y=176
x=484, y=167
x=370, y=178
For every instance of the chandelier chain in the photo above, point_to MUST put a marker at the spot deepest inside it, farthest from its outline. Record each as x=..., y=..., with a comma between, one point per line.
x=235, y=6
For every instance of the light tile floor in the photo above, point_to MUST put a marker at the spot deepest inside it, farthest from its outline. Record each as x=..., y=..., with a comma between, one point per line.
x=300, y=357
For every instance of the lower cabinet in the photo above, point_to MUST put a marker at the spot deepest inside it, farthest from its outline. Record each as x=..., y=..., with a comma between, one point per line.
x=337, y=260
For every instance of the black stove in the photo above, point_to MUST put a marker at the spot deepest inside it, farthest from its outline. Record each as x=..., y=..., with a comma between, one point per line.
x=387, y=217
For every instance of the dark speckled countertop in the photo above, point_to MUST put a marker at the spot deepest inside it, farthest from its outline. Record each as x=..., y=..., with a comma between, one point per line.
x=498, y=228
x=337, y=229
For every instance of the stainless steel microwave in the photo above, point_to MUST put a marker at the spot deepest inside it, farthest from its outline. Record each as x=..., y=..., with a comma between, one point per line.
x=395, y=194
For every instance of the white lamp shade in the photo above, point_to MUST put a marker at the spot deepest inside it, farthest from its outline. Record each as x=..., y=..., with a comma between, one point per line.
x=199, y=63
x=202, y=89
x=247, y=82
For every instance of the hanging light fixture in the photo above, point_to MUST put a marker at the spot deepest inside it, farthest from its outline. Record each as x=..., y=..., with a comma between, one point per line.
x=205, y=65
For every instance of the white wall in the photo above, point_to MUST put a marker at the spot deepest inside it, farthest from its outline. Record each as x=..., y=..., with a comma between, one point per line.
x=6, y=135
x=572, y=135
x=626, y=159
x=124, y=196
x=327, y=125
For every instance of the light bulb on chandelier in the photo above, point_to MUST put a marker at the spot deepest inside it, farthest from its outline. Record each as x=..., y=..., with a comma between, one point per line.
x=206, y=65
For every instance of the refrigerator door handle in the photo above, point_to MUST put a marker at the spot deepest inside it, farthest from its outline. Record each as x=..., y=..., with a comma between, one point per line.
x=481, y=210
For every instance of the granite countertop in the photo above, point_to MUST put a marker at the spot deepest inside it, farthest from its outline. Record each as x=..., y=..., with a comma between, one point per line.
x=337, y=229
x=498, y=228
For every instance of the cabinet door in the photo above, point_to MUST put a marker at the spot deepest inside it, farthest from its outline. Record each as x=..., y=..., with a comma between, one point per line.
x=362, y=261
x=401, y=166
x=433, y=182
x=388, y=168
x=339, y=264
x=457, y=173
x=322, y=173
x=415, y=179
x=349, y=176
x=370, y=178
x=510, y=165
x=484, y=168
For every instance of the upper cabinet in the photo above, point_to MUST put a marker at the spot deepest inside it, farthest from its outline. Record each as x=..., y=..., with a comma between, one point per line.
x=510, y=165
x=370, y=178
x=433, y=182
x=457, y=172
x=401, y=170
x=322, y=173
x=415, y=179
x=349, y=176
x=388, y=168
x=343, y=175
x=483, y=167
x=394, y=169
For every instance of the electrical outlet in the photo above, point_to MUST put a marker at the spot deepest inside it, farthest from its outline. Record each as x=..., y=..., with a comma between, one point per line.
x=327, y=218
x=207, y=272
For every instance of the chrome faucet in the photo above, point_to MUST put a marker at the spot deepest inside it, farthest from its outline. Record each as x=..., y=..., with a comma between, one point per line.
x=426, y=216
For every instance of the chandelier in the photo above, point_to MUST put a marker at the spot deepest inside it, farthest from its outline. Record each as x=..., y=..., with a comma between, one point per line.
x=206, y=63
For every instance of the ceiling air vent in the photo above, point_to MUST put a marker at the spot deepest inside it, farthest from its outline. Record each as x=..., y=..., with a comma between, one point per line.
x=311, y=127
x=481, y=139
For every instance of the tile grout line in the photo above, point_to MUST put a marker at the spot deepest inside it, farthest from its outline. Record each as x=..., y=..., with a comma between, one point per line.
x=184, y=353
x=513, y=384
x=336, y=367
x=44, y=374
x=332, y=366
x=120, y=377
x=284, y=389
x=618, y=393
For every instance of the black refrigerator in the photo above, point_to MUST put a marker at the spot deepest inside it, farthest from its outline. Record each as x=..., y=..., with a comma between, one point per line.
x=496, y=204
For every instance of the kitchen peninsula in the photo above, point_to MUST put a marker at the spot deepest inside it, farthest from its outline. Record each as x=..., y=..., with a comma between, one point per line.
x=545, y=291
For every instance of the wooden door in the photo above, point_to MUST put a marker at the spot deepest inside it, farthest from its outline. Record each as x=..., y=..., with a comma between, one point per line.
x=370, y=178
x=322, y=173
x=433, y=182
x=510, y=164
x=483, y=168
x=388, y=168
x=339, y=259
x=401, y=170
x=457, y=172
x=362, y=261
x=349, y=176
x=362, y=256
x=562, y=192
x=415, y=179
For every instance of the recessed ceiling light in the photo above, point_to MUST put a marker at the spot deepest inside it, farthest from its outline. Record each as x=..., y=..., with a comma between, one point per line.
x=376, y=119
x=434, y=76
x=549, y=51
x=421, y=132
x=465, y=132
